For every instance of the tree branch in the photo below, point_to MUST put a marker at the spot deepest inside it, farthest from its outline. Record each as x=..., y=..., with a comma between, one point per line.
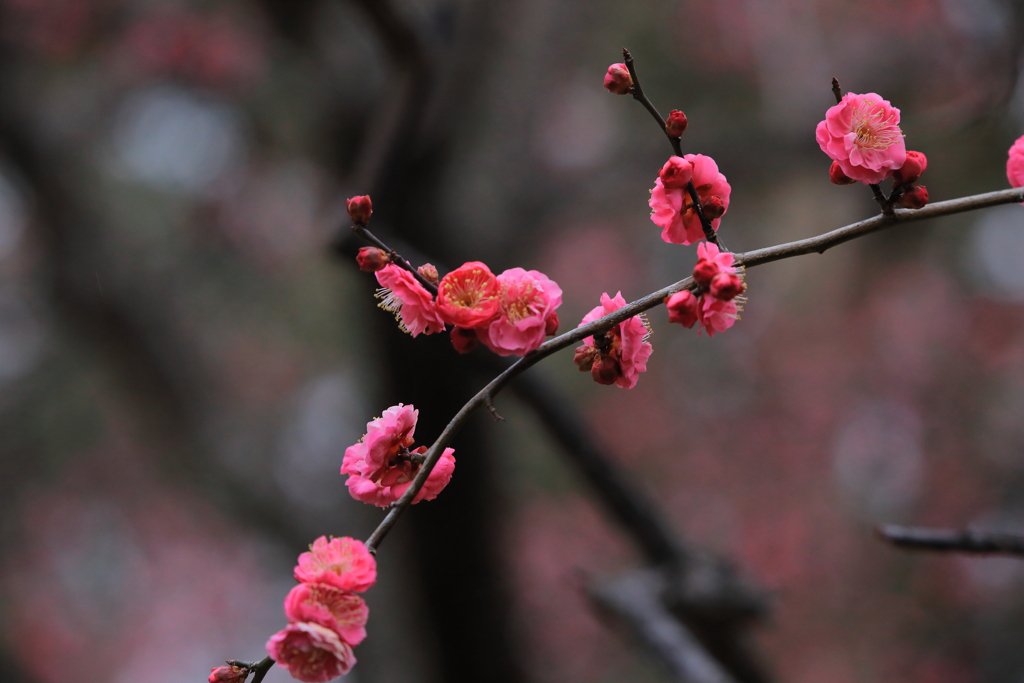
x=818, y=244
x=947, y=540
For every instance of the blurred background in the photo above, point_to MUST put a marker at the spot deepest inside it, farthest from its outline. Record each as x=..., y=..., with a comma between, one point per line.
x=186, y=346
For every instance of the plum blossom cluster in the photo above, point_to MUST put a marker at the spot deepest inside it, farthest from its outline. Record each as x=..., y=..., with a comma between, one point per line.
x=619, y=355
x=716, y=302
x=326, y=618
x=862, y=136
x=382, y=465
x=510, y=313
x=674, y=210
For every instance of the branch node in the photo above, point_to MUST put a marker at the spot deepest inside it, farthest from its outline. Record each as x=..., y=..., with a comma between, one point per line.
x=489, y=402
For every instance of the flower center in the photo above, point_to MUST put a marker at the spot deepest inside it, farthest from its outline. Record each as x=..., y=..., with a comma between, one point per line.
x=467, y=291
x=875, y=127
x=520, y=301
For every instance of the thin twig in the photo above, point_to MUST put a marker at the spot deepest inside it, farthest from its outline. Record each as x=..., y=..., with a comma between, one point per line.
x=947, y=540
x=836, y=90
x=489, y=402
x=882, y=200
x=395, y=257
x=638, y=94
x=818, y=244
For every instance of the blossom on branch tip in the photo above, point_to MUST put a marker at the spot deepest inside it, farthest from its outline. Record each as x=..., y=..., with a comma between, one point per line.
x=1015, y=163
x=912, y=169
x=372, y=259
x=310, y=652
x=915, y=197
x=526, y=301
x=625, y=343
x=412, y=305
x=468, y=296
x=618, y=80
x=343, y=563
x=359, y=209
x=673, y=209
x=343, y=612
x=228, y=674
x=675, y=124
x=862, y=134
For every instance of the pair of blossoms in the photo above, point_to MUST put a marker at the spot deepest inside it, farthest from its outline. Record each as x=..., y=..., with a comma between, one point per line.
x=326, y=618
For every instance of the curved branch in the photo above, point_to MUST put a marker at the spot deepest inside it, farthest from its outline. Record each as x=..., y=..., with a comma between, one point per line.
x=818, y=244
x=967, y=541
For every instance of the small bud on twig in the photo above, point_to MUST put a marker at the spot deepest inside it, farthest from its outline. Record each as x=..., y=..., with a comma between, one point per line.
x=372, y=259
x=676, y=123
x=915, y=197
x=359, y=209
x=618, y=80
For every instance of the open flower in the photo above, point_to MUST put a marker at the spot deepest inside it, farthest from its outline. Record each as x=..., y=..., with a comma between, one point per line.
x=310, y=652
x=344, y=563
x=412, y=305
x=397, y=478
x=717, y=315
x=526, y=302
x=627, y=345
x=341, y=611
x=386, y=436
x=468, y=296
x=863, y=135
x=673, y=208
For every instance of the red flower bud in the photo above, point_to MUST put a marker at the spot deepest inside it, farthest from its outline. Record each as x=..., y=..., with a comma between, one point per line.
x=911, y=170
x=372, y=259
x=605, y=369
x=584, y=357
x=359, y=209
x=713, y=206
x=675, y=126
x=836, y=175
x=618, y=80
x=704, y=271
x=464, y=339
x=676, y=172
x=429, y=273
x=915, y=197
x=228, y=674
x=683, y=308
x=726, y=286
x=551, y=324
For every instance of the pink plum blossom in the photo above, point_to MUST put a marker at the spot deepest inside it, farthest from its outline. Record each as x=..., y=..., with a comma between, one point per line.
x=673, y=209
x=717, y=315
x=386, y=436
x=343, y=563
x=412, y=305
x=863, y=135
x=398, y=477
x=310, y=652
x=228, y=674
x=683, y=308
x=468, y=296
x=629, y=344
x=1015, y=163
x=341, y=611
x=711, y=262
x=526, y=302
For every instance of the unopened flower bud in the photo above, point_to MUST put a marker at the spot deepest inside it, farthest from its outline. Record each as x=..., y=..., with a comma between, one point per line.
x=359, y=209
x=618, y=80
x=228, y=674
x=726, y=286
x=713, y=206
x=683, y=308
x=836, y=175
x=605, y=369
x=372, y=259
x=704, y=271
x=675, y=126
x=911, y=169
x=464, y=339
x=676, y=172
x=429, y=273
x=584, y=357
x=915, y=197
x=551, y=324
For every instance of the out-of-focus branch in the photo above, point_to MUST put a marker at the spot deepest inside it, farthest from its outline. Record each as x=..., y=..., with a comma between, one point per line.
x=818, y=244
x=638, y=94
x=635, y=600
x=948, y=540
